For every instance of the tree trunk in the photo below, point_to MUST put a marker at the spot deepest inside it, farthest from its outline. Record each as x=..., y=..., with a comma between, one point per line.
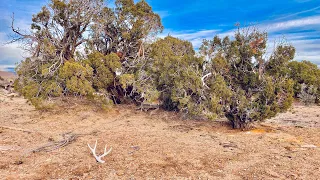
x=238, y=124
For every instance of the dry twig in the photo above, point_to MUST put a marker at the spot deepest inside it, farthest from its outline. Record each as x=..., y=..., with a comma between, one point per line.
x=16, y=129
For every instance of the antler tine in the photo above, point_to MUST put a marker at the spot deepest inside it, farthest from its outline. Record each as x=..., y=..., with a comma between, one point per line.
x=105, y=151
x=90, y=147
x=95, y=145
x=98, y=158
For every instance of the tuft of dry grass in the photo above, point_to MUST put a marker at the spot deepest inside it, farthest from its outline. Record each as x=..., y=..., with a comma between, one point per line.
x=153, y=145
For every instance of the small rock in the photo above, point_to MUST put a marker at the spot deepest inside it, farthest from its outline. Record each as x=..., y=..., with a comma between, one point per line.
x=273, y=174
x=294, y=176
x=120, y=173
x=309, y=146
x=277, y=157
x=229, y=145
x=135, y=147
x=19, y=162
x=289, y=148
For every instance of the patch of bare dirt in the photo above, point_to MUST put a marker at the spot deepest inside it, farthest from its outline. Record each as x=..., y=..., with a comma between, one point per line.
x=7, y=75
x=155, y=145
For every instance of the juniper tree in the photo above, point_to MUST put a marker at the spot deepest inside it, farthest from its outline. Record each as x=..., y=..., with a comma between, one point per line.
x=56, y=33
x=83, y=48
x=177, y=73
x=254, y=92
x=125, y=31
x=85, y=34
x=306, y=80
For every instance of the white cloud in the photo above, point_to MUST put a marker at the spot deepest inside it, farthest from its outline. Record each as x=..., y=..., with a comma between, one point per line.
x=195, y=37
x=6, y=67
x=306, y=49
x=278, y=26
x=300, y=12
x=307, y=44
x=313, y=58
x=10, y=53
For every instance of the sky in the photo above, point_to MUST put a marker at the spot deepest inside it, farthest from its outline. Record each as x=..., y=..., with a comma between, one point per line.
x=296, y=21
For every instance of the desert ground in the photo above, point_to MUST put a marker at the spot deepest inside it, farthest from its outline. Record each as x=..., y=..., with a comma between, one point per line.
x=152, y=145
x=7, y=75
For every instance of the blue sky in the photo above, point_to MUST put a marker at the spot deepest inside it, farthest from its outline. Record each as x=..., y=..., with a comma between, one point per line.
x=194, y=20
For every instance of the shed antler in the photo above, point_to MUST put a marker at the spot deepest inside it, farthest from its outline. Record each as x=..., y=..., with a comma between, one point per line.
x=98, y=158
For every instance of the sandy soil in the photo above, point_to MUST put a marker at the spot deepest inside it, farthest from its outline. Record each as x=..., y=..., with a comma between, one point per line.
x=7, y=75
x=154, y=145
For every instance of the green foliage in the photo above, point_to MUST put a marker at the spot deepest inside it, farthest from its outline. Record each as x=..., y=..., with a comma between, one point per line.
x=307, y=94
x=177, y=73
x=286, y=94
x=31, y=90
x=278, y=63
x=75, y=76
x=52, y=88
x=104, y=69
x=124, y=29
x=219, y=95
x=57, y=67
x=117, y=63
x=126, y=80
x=248, y=92
x=306, y=80
x=101, y=100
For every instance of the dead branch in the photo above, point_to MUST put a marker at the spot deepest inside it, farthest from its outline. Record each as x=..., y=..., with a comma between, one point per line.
x=67, y=139
x=18, y=32
x=16, y=129
x=203, y=78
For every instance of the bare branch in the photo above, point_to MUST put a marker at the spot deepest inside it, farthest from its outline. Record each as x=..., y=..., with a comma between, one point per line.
x=18, y=32
x=203, y=78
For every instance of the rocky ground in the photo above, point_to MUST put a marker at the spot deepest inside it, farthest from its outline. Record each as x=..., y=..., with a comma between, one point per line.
x=152, y=145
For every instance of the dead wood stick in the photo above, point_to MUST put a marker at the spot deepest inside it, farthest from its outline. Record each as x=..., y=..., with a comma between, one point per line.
x=56, y=145
x=16, y=129
x=68, y=138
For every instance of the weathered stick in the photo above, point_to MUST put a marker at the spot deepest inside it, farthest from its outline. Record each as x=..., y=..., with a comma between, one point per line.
x=55, y=145
x=68, y=138
x=16, y=129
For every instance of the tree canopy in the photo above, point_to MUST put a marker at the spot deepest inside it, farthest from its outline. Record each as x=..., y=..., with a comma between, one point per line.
x=113, y=56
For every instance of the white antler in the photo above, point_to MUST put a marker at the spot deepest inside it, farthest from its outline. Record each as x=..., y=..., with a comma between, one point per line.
x=98, y=158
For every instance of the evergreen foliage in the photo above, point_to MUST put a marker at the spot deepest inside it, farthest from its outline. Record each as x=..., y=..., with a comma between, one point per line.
x=110, y=55
x=306, y=81
x=256, y=87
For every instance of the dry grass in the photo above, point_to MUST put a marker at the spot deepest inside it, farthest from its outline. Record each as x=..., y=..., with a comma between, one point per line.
x=154, y=146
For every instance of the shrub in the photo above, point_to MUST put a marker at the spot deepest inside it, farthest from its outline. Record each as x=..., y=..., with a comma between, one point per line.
x=230, y=77
x=307, y=94
x=306, y=81
x=75, y=78
x=103, y=68
x=252, y=88
x=176, y=73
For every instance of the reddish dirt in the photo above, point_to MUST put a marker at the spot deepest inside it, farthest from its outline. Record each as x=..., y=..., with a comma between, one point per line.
x=154, y=145
x=7, y=75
